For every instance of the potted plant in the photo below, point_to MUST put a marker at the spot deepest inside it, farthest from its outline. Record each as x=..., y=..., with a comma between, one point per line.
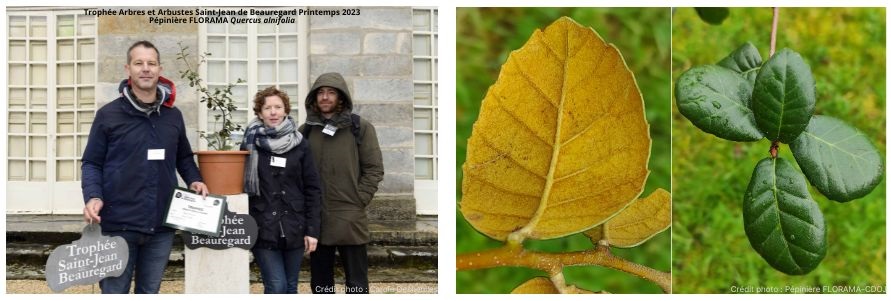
x=222, y=167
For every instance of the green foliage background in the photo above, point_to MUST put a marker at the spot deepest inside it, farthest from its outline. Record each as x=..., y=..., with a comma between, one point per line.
x=845, y=49
x=485, y=38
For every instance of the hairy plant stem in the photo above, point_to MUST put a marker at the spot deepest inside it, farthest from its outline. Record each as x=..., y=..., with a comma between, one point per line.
x=773, y=30
x=512, y=255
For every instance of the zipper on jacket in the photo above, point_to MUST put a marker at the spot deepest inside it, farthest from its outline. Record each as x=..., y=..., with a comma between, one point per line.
x=282, y=229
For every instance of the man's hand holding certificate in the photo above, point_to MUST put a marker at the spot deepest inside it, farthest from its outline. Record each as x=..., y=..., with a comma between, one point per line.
x=191, y=212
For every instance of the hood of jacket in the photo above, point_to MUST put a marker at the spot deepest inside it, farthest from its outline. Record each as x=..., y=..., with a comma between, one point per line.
x=166, y=90
x=334, y=80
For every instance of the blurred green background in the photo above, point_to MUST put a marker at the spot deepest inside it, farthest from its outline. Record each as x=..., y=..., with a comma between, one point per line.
x=485, y=38
x=845, y=49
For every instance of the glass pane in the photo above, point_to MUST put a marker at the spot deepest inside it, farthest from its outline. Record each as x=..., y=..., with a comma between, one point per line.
x=16, y=146
x=423, y=144
x=266, y=47
x=38, y=75
x=65, y=170
x=436, y=20
x=38, y=171
x=292, y=92
x=287, y=46
x=65, y=50
x=287, y=71
x=424, y=168
x=65, y=26
x=16, y=170
x=85, y=97
x=17, y=26
x=81, y=145
x=17, y=74
x=17, y=51
x=38, y=51
x=86, y=25
x=423, y=94
x=266, y=28
x=37, y=148
x=86, y=74
x=216, y=72
x=422, y=70
x=266, y=71
x=435, y=97
x=240, y=117
x=77, y=172
x=17, y=98
x=65, y=122
x=216, y=28
x=287, y=28
x=38, y=98
x=435, y=45
x=421, y=19
x=38, y=123
x=237, y=70
x=421, y=44
x=240, y=96
x=84, y=120
x=238, y=48
x=216, y=46
x=17, y=122
x=65, y=98
x=423, y=119
x=38, y=27
x=237, y=28
x=65, y=74
x=86, y=49
x=65, y=146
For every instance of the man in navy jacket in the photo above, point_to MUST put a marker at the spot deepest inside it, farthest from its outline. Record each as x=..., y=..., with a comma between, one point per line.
x=136, y=145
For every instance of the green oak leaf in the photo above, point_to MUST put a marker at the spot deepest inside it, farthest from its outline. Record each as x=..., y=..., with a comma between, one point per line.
x=838, y=159
x=716, y=100
x=746, y=60
x=783, y=223
x=713, y=15
x=783, y=97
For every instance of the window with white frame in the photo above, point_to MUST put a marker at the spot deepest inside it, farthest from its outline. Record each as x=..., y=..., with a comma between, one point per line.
x=425, y=41
x=51, y=88
x=262, y=55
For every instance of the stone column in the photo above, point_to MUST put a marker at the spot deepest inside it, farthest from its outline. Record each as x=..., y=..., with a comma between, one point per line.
x=220, y=271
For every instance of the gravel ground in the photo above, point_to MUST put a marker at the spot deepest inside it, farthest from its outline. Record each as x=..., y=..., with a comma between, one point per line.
x=177, y=287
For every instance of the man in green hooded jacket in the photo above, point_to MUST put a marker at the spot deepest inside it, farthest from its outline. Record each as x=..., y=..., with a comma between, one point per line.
x=346, y=151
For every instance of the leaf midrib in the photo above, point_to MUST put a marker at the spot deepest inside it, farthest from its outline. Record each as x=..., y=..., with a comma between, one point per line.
x=555, y=154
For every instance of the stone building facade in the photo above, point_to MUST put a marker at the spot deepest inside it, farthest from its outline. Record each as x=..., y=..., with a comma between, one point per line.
x=377, y=51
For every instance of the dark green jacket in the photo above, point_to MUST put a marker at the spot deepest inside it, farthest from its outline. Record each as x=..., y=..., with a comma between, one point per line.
x=350, y=173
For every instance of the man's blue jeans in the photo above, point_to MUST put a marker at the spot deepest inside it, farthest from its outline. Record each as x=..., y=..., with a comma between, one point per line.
x=280, y=269
x=148, y=257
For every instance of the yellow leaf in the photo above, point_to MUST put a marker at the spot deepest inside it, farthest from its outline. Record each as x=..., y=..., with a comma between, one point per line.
x=561, y=143
x=537, y=285
x=543, y=285
x=639, y=222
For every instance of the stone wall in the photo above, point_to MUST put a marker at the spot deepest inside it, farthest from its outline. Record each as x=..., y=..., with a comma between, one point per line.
x=117, y=33
x=373, y=53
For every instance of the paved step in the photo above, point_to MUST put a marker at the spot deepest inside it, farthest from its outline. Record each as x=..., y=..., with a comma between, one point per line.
x=400, y=251
x=424, y=257
x=19, y=271
x=61, y=229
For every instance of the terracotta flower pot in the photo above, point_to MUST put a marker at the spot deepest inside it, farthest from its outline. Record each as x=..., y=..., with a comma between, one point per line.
x=223, y=171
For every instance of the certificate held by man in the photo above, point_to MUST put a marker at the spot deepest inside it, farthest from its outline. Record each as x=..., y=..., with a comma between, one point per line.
x=191, y=212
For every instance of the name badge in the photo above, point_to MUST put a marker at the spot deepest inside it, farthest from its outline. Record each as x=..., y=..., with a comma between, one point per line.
x=156, y=154
x=329, y=129
x=278, y=161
